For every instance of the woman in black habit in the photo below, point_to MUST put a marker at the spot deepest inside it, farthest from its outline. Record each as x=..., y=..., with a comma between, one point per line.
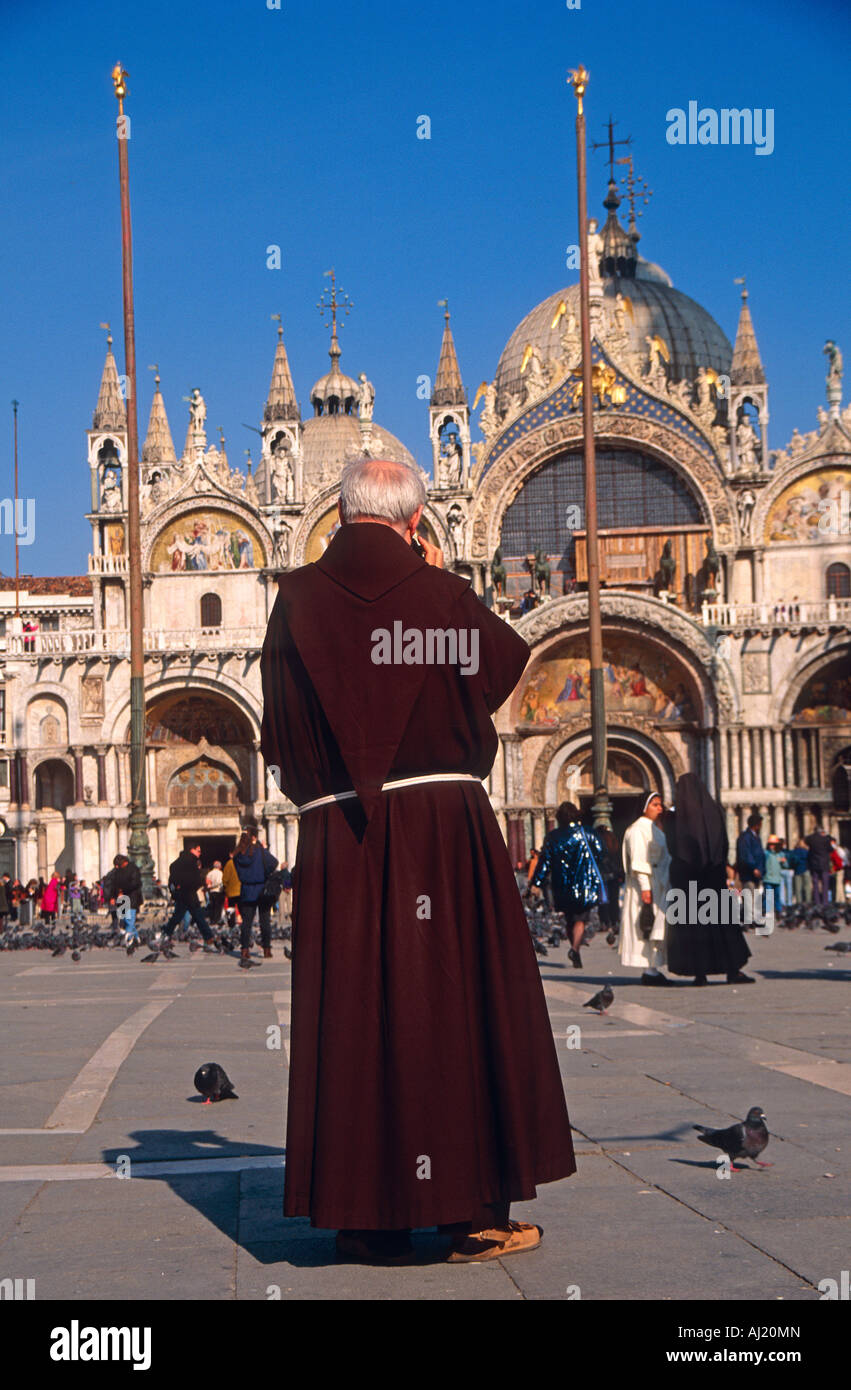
x=697, y=840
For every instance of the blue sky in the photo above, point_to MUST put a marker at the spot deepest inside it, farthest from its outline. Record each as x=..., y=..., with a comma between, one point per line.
x=254, y=126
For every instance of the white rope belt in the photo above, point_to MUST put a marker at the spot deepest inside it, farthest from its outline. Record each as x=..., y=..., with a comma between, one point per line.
x=388, y=786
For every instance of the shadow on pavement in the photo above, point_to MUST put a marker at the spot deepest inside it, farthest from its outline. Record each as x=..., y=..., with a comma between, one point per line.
x=246, y=1204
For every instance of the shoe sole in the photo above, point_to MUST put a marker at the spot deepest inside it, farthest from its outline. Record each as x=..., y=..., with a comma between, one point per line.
x=455, y=1258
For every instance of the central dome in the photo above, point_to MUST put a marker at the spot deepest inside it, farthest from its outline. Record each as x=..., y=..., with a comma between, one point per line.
x=638, y=299
x=693, y=337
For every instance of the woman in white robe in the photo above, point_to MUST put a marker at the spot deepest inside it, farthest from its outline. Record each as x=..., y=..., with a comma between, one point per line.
x=647, y=864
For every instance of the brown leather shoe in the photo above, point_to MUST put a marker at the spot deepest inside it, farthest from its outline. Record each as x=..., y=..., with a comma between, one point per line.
x=267, y=952
x=375, y=1247
x=495, y=1244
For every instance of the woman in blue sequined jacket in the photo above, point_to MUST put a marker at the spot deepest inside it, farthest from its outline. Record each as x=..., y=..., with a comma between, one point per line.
x=571, y=858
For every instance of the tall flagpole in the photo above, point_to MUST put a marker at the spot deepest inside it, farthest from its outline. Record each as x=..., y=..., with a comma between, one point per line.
x=15, y=405
x=139, y=848
x=601, y=806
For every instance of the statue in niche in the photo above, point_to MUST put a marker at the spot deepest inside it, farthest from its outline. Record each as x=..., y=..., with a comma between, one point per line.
x=747, y=445
x=110, y=497
x=283, y=478
x=450, y=459
x=745, y=505
x=281, y=552
x=457, y=523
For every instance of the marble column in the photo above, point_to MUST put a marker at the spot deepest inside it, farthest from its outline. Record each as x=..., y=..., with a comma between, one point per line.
x=23, y=780
x=41, y=850
x=791, y=827
x=79, y=865
x=290, y=839
x=735, y=758
x=13, y=782
x=103, y=849
x=162, y=850
x=747, y=775
x=538, y=828
x=790, y=758
x=78, y=775
x=100, y=753
x=732, y=829
x=723, y=748
x=273, y=845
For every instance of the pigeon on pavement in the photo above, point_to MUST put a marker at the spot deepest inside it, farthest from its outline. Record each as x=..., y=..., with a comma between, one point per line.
x=151, y=959
x=601, y=1001
x=744, y=1140
x=213, y=1083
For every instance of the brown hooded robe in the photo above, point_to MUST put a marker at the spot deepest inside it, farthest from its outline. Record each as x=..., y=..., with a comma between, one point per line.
x=423, y=1074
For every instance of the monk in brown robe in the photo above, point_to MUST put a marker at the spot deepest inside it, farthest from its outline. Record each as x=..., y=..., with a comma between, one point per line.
x=424, y=1088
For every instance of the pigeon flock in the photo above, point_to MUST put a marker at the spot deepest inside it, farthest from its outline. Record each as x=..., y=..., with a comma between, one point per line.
x=78, y=937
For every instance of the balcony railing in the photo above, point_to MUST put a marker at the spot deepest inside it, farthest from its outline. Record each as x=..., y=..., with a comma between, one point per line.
x=107, y=564
x=115, y=642
x=824, y=613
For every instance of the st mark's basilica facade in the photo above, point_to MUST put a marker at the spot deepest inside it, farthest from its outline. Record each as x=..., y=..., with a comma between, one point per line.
x=724, y=561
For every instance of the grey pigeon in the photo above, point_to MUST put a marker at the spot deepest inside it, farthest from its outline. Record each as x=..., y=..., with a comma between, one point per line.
x=213, y=1083
x=601, y=1001
x=837, y=946
x=744, y=1140
x=150, y=959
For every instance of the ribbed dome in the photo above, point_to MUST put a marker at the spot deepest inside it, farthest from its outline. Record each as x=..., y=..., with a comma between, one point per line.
x=329, y=441
x=334, y=393
x=693, y=337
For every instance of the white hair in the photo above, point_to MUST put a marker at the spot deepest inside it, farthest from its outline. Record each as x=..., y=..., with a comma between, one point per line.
x=381, y=488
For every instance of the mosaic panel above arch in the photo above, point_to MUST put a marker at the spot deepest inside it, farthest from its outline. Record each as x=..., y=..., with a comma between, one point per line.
x=206, y=539
x=810, y=508
x=826, y=697
x=638, y=679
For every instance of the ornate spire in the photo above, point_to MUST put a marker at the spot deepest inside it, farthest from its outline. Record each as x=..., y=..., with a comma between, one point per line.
x=448, y=386
x=281, y=403
x=619, y=248
x=746, y=368
x=158, y=446
x=110, y=413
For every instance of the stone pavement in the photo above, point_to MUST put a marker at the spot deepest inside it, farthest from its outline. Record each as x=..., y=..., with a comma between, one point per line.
x=97, y=1063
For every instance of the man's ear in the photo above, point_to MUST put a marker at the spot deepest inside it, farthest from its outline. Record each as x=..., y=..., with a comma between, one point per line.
x=340, y=511
x=415, y=521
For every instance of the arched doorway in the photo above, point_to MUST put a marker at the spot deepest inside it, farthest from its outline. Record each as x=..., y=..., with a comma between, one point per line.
x=54, y=793
x=205, y=761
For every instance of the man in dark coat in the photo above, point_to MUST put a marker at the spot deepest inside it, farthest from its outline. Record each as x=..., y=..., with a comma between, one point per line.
x=424, y=1087
x=185, y=876
x=750, y=855
x=818, y=863
x=125, y=890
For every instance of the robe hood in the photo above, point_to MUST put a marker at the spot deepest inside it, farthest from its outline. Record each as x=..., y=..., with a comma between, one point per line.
x=368, y=579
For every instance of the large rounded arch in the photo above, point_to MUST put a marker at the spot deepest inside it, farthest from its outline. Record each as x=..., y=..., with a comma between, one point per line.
x=658, y=624
x=510, y=472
